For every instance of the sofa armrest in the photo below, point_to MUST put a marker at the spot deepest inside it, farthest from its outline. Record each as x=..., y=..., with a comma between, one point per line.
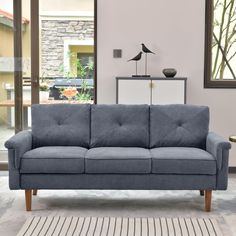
x=216, y=145
x=20, y=143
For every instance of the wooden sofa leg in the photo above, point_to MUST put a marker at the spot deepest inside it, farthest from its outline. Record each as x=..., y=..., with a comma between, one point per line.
x=35, y=192
x=208, y=196
x=28, y=199
x=201, y=192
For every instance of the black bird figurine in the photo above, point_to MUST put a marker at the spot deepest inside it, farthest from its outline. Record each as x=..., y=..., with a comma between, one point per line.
x=146, y=51
x=136, y=59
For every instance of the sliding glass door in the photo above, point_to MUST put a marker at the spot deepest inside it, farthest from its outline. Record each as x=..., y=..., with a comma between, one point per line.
x=15, y=92
x=66, y=51
x=7, y=88
x=47, y=55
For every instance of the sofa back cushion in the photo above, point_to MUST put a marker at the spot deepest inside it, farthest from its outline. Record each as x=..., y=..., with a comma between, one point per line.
x=178, y=126
x=120, y=126
x=61, y=125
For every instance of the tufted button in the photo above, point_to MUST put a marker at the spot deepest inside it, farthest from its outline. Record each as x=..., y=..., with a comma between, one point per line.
x=179, y=123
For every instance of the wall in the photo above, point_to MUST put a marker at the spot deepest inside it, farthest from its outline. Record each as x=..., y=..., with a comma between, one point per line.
x=6, y=5
x=175, y=31
x=66, y=5
x=53, y=35
x=74, y=50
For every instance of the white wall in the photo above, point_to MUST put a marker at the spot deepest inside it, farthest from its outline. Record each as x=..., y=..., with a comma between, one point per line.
x=66, y=5
x=6, y=6
x=173, y=29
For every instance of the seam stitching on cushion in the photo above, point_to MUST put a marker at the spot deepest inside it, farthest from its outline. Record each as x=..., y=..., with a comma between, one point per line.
x=37, y=158
x=163, y=159
x=117, y=159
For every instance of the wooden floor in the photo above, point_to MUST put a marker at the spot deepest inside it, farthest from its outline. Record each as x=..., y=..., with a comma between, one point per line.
x=92, y=226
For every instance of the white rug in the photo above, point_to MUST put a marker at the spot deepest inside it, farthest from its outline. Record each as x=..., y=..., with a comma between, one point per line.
x=111, y=226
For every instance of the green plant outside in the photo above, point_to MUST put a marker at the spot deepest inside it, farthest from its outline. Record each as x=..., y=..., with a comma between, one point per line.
x=81, y=71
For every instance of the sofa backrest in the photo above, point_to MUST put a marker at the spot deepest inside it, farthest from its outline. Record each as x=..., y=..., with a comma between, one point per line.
x=61, y=125
x=178, y=126
x=120, y=126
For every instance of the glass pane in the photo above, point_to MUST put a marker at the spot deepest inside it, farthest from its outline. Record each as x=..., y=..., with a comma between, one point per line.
x=6, y=73
x=224, y=40
x=67, y=51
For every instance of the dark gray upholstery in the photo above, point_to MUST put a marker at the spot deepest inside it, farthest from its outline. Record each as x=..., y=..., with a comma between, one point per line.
x=215, y=145
x=118, y=181
x=14, y=173
x=116, y=160
x=20, y=143
x=222, y=174
x=120, y=126
x=179, y=160
x=183, y=154
x=178, y=126
x=54, y=160
x=61, y=125
x=219, y=148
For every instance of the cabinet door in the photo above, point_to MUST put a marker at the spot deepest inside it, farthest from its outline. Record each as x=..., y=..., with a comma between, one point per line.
x=168, y=92
x=134, y=92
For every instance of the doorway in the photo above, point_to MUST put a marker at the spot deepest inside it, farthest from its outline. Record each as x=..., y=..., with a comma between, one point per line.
x=37, y=65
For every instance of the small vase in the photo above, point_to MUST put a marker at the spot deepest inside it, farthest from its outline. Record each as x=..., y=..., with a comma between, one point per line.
x=169, y=72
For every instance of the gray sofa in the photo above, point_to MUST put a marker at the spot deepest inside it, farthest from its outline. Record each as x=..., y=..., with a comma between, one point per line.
x=118, y=147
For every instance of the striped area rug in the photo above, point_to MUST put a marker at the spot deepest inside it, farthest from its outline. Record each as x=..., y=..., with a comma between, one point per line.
x=110, y=226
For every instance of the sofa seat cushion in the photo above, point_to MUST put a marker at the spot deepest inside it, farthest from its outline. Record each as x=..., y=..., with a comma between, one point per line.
x=116, y=160
x=57, y=159
x=180, y=160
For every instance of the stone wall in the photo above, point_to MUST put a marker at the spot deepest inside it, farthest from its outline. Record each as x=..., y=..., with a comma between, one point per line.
x=53, y=35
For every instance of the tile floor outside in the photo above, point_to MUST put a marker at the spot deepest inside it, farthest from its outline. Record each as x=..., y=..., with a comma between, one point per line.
x=5, y=134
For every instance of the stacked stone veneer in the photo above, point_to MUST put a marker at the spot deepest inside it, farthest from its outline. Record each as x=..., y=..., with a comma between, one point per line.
x=53, y=35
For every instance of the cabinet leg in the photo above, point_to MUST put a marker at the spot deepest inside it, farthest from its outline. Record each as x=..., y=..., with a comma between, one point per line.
x=28, y=199
x=35, y=192
x=208, y=197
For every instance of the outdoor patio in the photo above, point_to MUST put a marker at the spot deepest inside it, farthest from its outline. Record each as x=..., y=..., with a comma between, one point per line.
x=5, y=134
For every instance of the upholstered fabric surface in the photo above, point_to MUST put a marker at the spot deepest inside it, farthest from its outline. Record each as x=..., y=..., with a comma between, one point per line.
x=216, y=145
x=179, y=160
x=14, y=173
x=61, y=125
x=120, y=126
x=178, y=126
x=54, y=160
x=115, y=160
x=119, y=155
x=222, y=174
x=118, y=181
x=20, y=143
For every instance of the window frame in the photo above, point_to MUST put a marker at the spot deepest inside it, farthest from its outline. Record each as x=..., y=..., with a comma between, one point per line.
x=208, y=82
